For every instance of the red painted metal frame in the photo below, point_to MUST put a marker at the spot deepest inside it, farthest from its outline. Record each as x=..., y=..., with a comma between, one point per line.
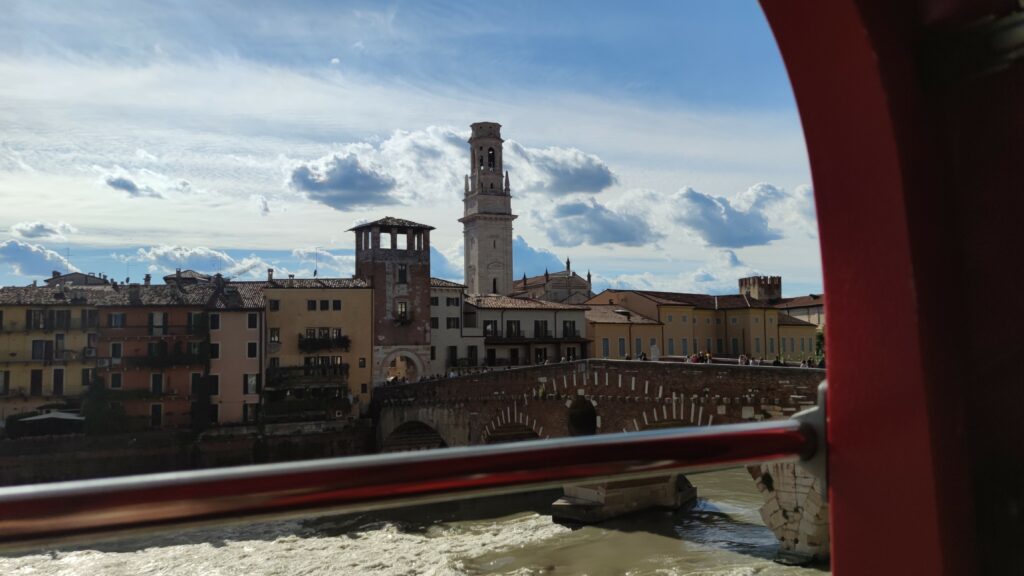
x=52, y=513
x=917, y=176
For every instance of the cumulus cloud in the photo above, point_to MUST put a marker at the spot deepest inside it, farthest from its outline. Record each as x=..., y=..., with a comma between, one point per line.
x=26, y=259
x=722, y=224
x=167, y=258
x=582, y=222
x=532, y=261
x=717, y=275
x=442, y=267
x=39, y=229
x=261, y=203
x=344, y=181
x=129, y=186
x=326, y=262
x=557, y=170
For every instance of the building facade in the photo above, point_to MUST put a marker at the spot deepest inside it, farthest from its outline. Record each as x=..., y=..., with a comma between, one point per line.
x=487, y=215
x=319, y=348
x=450, y=345
x=523, y=331
x=622, y=334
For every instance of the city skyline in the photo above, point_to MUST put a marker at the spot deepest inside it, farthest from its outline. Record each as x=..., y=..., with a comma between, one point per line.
x=258, y=146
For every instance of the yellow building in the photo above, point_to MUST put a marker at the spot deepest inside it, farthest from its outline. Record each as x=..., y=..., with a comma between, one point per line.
x=319, y=347
x=621, y=334
x=48, y=340
x=726, y=325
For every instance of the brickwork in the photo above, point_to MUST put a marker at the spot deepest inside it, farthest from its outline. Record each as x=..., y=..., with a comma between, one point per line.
x=627, y=396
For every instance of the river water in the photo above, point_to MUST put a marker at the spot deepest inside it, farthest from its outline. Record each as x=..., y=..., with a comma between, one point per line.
x=722, y=536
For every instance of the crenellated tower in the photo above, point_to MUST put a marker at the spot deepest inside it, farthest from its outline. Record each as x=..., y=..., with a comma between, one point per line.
x=487, y=214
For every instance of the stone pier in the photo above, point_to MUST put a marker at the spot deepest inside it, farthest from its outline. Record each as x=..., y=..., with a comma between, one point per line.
x=794, y=511
x=598, y=502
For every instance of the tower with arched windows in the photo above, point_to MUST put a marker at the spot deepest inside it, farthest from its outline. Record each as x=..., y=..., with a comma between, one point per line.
x=487, y=214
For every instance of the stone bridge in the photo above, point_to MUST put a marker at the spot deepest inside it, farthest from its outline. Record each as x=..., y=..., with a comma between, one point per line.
x=586, y=397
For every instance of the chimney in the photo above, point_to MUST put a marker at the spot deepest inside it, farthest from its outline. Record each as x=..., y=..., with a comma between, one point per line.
x=177, y=274
x=270, y=274
x=56, y=274
x=146, y=279
x=35, y=283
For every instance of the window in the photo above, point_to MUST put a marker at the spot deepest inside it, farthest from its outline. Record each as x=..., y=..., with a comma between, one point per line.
x=708, y=347
x=35, y=383
x=275, y=305
x=490, y=327
x=683, y=346
x=694, y=319
x=638, y=346
x=403, y=274
x=433, y=353
x=214, y=321
x=434, y=322
x=116, y=320
x=719, y=348
x=195, y=322
x=707, y=320
x=213, y=384
x=452, y=322
x=622, y=347
x=654, y=343
x=195, y=387
x=311, y=305
x=362, y=362
x=58, y=381
x=154, y=348
x=336, y=305
x=771, y=320
x=275, y=334
x=251, y=350
x=275, y=362
x=569, y=329
x=385, y=241
x=802, y=344
x=669, y=317
x=453, y=301
x=684, y=319
x=5, y=382
x=718, y=321
x=735, y=347
x=214, y=351
x=250, y=383
x=473, y=355
x=512, y=328
x=540, y=329
x=156, y=383
x=604, y=347
x=39, y=348
x=771, y=345
x=671, y=346
x=403, y=310
x=732, y=320
x=310, y=333
x=335, y=333
x=254, y=321
x=323, y=333
x=792, y=344
x=325, y=305
x=156, y=415
x=433, y=300
x=757, y=320
x=757, y=344
x=453, y=355
x=115, y=380
x=782, y=345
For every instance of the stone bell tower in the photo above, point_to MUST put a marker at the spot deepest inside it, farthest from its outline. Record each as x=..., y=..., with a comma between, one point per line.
x=487, y=215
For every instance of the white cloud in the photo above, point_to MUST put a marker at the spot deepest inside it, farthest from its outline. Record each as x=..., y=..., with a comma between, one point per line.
x=589, y=222
x=39, y=229
x=720, y=223
x=557, y=171
x=26, y=259
x=327, y=263
x=717, y=275
x=343, y=182
x=335, y=61
x=261, y=203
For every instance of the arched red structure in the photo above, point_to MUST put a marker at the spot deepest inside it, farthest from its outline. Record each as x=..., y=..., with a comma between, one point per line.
x=915, y=132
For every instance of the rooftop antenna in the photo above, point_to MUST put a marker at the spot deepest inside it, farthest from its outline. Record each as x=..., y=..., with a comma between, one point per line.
x=316, y=260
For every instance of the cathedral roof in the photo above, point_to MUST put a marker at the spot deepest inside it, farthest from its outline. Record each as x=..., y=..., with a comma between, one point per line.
x=575, y=281
x=391, y=222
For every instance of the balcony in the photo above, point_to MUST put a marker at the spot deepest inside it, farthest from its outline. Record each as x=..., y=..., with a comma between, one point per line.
x=50, y=325
x=334, y=375
x=307, y=344
x=163, y=361
x=521, y=336
x=145, y=331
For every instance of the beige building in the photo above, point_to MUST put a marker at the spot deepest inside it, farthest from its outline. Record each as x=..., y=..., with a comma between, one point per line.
x=48, y=339
x=621, y=334
x=810, y=308
x=725, y=325
x=450, y=345
x=235, y=321
x=319, y=336
x=522, y=331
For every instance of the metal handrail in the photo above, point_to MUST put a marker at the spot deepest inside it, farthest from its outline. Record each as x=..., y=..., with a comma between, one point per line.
x=87, y=509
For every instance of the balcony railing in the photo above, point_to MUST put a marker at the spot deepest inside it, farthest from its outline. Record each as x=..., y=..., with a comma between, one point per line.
x=307, y=376
x=145, y=331
x=307, y=344
x=164, y=360
x=50, y=325
x=521, y=335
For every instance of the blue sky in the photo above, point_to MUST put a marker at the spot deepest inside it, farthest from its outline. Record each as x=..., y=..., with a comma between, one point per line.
x=657, y=146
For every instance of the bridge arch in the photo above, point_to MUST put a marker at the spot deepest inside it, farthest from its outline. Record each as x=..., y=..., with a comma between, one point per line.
x=400, y=363
x=513, y=423
x=413, y=435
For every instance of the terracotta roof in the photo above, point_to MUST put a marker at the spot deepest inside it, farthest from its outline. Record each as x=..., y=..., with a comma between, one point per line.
x=495, y=302
x=391, y=222
x=802, y=301
x=702, y=301
x=612, y=314
x=191, y=275
x=316, y=283
x=787, y=320
x=441, y=283
x=78, y=278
